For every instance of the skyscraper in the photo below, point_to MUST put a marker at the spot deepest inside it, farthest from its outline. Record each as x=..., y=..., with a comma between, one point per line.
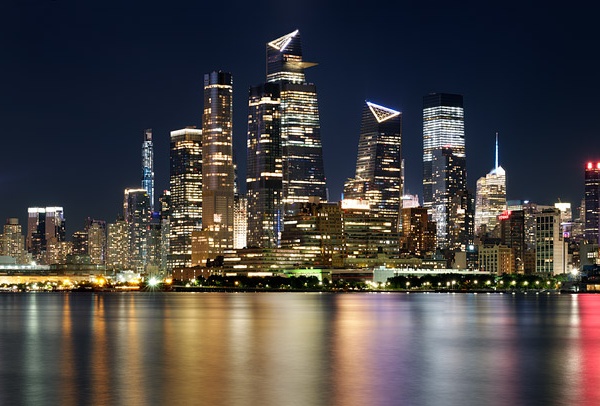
x=287, y=107
x=137, y=214
x=490, y=197
x=445, y=191
x=186, y=194
x=44, y=225
x=264, y=173
x=378, y=178
x=217, y=164
x=592, y=203
x=148, y=166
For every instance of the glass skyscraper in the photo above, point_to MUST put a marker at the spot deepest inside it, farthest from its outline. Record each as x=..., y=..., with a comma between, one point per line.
x=186, y=194
x=285, y=156
x=444, y=169
x=378, y=178
x=148, y=166
x=490, y=197
x=137, y=214
x=592, y=202
x=217, y=164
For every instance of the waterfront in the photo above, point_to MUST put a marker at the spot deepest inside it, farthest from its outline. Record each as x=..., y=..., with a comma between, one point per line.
x=299, y=349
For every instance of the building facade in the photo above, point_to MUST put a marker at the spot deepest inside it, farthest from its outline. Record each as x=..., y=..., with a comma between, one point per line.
x=592, y=203
x=148, y=166
x=490, y=198
x=186, y=194
x=445, y=191
x=137, y=214
x=286, y=107
x=217, y=165
x=378, y=177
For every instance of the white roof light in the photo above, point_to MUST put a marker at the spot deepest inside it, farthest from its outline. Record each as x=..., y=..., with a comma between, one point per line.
x=382, y=113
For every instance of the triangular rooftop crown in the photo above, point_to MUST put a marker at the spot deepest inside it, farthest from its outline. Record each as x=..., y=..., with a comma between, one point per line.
x=382, y=113
x=282, y=42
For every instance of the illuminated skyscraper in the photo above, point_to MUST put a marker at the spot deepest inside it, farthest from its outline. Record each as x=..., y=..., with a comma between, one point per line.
x=136, y=210
x=44, y=225
x=444, y=169
x=148, y=166
x=117, y=245
x=287, y=108
x=592, y=203
x=264, y=178
x=490, y=197
x=12, y=241
x=217, y=164
x=378, y=178
x=186, y=194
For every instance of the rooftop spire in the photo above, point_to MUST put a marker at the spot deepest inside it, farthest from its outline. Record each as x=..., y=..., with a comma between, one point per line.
x=496, y=150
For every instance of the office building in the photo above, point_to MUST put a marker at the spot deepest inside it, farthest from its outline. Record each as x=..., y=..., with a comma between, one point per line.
x=445, y=191
x=284, y=142
x=551, y=249
x=378, y=178
x=417, y=236
x=264, y=172
x=12, y=241
x=592, y=203
x=186, y=194
x=490, y=198
x=148, y=166
x=217, y=165
x=117, y=245
x=137, y=214
x=44, y=224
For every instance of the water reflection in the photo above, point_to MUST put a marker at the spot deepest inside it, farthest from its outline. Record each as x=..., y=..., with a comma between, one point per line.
x=305, y=349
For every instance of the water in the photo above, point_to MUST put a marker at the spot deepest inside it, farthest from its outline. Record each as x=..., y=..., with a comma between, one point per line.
x=299, y=349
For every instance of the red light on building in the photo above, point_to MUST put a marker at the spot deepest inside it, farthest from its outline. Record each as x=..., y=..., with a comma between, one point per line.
x=589, y=165
x=505, y=215
x=598, y=165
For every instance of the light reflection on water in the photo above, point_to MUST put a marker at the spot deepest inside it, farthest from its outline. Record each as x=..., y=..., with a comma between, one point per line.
x=299, y=349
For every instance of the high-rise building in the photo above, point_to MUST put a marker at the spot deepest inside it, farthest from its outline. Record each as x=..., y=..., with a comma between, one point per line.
x=44, y=224
x=418, y=234
x=12, y=241
x=592, y=203
x=264, y=167
x=513, y=235
x=148, y=166
x=217, y=165
x=117, y=245
x=445, y=191
x=378, y=178
x=490, y=197
x=186, y=194
x=96, y=241
x=137, y=214
x=551, y=250
x=287, y=107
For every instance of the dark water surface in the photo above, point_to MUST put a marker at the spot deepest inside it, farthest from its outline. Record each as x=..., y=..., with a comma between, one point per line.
x=299, y=349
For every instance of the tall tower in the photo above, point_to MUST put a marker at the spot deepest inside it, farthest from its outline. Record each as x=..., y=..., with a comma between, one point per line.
x=264, y=173
x=490, y=197
x=148, y=166
x=137, y=214
x=592, y=203
x=445, y=191
x=217, y=163
x=378, y=178
x=186, y=194
x=288, y=106
x=302, y=152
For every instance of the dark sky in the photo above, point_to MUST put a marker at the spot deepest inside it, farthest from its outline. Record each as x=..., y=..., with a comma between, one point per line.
x=81, y=80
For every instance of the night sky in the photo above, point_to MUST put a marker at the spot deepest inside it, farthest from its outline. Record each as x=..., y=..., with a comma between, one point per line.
x=80, y=81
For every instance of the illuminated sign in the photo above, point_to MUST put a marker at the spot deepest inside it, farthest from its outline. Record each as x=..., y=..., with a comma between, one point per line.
x=505, y=215
x=355, y=204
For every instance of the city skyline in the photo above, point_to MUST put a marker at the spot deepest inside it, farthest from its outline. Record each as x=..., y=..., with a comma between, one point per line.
x=75, y=105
